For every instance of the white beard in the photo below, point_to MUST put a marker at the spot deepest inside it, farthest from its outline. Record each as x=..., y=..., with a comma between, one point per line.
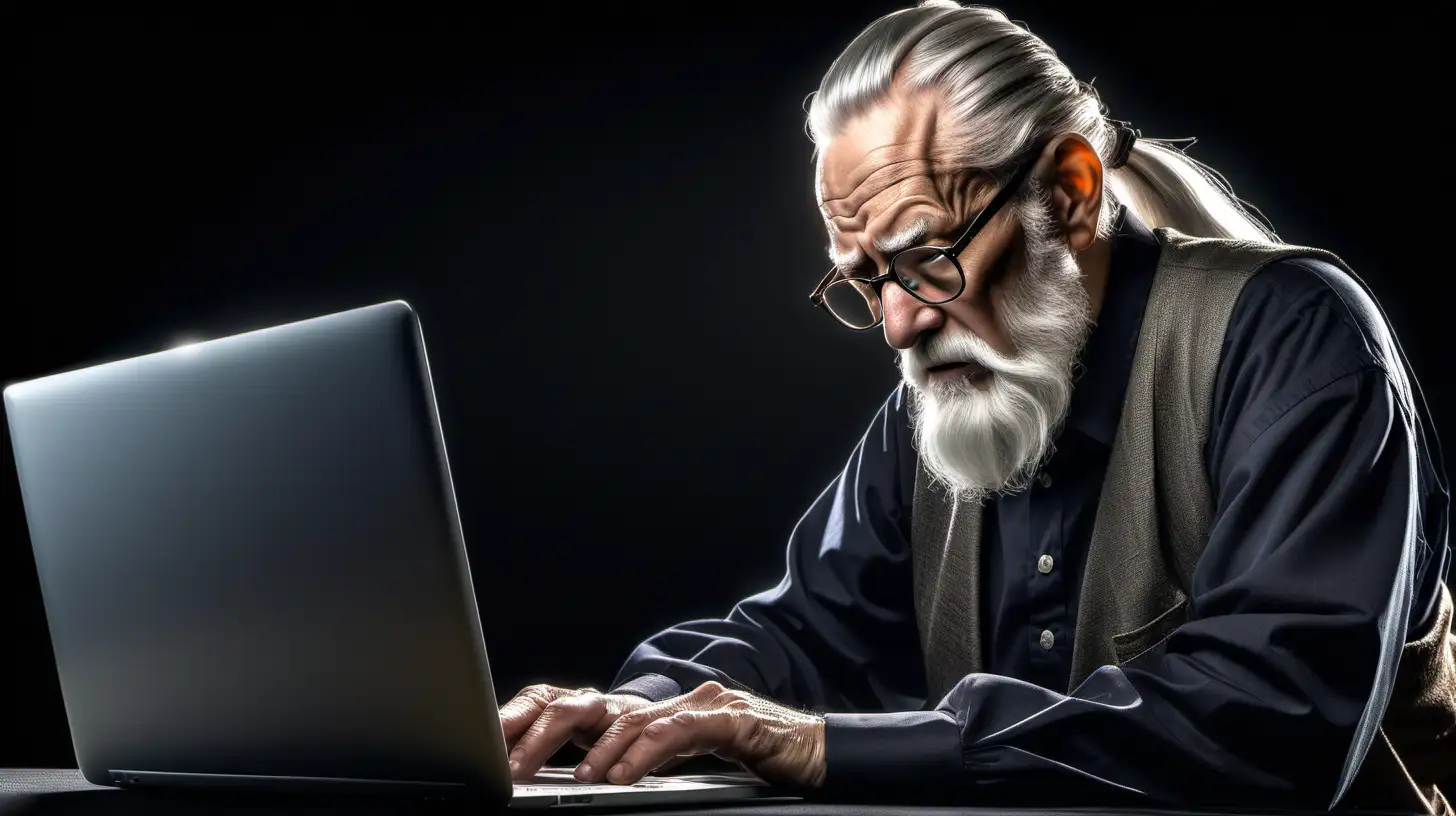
x=972, y=441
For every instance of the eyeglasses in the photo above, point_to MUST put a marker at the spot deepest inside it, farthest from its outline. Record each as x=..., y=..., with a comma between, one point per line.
x=931, y=274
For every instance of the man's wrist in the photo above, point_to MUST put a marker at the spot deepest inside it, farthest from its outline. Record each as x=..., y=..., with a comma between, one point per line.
x=818, y=768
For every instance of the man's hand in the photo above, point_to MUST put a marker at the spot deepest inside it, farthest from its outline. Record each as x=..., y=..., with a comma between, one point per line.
x=776, y=743
x=541, y=719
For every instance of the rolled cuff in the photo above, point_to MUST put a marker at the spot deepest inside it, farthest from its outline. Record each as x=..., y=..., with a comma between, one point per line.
x=654, y=687
x=891, y=750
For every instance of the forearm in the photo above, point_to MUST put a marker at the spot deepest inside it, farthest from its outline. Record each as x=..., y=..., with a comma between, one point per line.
x=695, y=652
x=1177, y=735
x=756, y=648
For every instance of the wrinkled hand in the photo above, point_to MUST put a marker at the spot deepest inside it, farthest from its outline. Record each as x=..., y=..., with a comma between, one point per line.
x=776, y=743
x=629, y=737
x=541, y=719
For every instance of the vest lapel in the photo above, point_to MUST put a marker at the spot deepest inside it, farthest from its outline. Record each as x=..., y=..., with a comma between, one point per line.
x=946, y=573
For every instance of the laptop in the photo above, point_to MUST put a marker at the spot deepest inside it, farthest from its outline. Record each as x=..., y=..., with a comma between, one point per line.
x=254, y=574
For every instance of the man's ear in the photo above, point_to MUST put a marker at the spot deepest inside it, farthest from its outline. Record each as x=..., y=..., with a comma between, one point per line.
x=1072, y=175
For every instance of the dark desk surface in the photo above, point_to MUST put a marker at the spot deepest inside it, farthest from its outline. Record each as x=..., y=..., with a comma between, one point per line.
x=45, y=791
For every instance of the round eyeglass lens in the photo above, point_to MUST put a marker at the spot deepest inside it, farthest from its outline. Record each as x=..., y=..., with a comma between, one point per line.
x=854, y=302
x=928, y=274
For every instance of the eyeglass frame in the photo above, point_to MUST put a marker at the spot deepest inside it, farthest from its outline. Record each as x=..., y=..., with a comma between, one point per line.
x=877, y=283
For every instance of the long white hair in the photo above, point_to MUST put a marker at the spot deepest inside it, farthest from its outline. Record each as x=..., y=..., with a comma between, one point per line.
x=1005, y=90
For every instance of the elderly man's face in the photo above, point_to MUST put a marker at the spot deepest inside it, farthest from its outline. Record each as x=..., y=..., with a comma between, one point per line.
x=992, y=367
x=879, y=181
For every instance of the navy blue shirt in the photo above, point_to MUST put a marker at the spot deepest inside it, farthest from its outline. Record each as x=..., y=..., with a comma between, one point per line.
x=1316, y=467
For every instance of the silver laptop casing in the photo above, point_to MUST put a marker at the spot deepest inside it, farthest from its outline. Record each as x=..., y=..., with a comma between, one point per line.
x=252, y=564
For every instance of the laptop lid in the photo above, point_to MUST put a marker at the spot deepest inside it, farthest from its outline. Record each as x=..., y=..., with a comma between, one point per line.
x=252, y=564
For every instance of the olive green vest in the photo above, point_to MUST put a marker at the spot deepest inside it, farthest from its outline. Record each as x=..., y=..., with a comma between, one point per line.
x=1152, y=524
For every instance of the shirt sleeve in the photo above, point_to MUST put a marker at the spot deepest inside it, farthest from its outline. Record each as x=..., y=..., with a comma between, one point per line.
x=1259, y=698
x=838, y=632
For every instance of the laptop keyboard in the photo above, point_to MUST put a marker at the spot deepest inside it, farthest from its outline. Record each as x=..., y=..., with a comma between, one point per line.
x=550, y=779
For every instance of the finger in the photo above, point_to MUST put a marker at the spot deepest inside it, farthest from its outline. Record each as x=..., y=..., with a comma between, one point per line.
x=521, y=712
x=686, y=732
x=523, y=709
x=620, y=735
x=557, y=723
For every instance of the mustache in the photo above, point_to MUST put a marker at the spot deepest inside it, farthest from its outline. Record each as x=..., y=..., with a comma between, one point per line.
x=942, y=348
x=964, y=347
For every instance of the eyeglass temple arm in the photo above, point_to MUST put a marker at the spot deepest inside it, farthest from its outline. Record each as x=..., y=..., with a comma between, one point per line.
x=818, y=294
x=1006, y=193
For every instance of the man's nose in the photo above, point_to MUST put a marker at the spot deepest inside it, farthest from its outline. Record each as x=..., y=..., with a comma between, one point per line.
x=905, y=317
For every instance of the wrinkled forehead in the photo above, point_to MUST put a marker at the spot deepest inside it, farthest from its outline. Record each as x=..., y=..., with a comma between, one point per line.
x=886, y=145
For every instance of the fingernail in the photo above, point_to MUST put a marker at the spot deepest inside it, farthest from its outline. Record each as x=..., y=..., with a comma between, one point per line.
x=515, y=766
x=583, y=771
x=618, y=772
x=518, y=754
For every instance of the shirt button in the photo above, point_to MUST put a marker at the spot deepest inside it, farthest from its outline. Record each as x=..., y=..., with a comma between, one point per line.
x=1047, y=639
x=1045, y=479
x=1044, y=564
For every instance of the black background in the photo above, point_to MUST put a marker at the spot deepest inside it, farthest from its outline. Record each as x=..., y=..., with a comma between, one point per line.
x=606, y=222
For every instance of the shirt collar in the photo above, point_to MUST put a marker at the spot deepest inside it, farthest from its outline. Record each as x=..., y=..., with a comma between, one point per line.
x=1107, y=358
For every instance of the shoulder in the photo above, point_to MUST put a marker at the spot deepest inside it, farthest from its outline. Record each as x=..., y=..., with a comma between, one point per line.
x=1303, y=320
x=1299, y=325
x=1305, y=299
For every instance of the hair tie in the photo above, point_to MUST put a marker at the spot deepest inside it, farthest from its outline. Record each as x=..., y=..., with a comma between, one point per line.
x=1126, y=135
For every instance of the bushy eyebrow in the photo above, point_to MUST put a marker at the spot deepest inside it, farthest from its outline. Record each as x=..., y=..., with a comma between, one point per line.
x=913, y=234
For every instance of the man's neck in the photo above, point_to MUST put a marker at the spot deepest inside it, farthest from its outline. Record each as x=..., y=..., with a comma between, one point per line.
x=1095, y=261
